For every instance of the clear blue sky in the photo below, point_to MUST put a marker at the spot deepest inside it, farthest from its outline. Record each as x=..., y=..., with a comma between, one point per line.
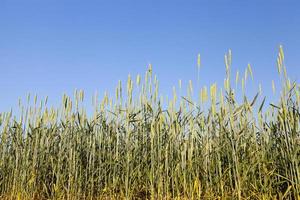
x=53, y=46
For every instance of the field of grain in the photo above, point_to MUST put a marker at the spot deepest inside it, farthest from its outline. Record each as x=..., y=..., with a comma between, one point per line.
x=138, y=144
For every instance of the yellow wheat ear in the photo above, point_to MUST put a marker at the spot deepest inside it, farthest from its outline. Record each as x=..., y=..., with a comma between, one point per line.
x=199, y=61
x=138, y=80
x=150, y=68
x=191, y=86
x=246, y=75
x=213, y=94
x=180, y=83
x=281, y=52
x=273, y=86
x=260, y=88
x=236, y=78
x=199, y=65
x=280, y=59
x=250, y=71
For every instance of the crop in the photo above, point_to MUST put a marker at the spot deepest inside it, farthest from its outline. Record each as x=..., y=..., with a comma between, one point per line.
x=138, y=144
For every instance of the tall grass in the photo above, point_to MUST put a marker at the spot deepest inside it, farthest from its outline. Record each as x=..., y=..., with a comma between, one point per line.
x=139, y=145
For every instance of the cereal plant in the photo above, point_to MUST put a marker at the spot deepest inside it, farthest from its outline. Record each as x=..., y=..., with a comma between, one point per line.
x=138, y=144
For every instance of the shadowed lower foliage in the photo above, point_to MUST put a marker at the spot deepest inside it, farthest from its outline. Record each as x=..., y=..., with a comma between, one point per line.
x=140, y=145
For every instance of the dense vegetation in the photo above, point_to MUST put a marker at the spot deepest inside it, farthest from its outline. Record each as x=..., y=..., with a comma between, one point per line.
x=139, y=145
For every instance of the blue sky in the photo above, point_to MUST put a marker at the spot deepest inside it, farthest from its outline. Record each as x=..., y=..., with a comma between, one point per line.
x=54, y=46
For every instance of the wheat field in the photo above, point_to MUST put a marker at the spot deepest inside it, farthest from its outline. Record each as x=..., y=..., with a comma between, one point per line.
x=138, y=144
